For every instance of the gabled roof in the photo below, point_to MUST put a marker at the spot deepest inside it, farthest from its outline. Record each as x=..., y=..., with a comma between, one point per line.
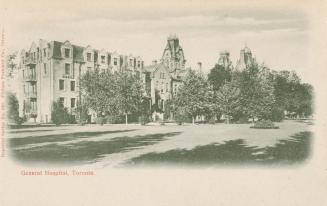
x=150, y=68
x=56, y=49
x=78, y=53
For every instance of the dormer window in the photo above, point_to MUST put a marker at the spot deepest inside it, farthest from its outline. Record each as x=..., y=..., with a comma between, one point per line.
x=88, y=56
x=67, y=53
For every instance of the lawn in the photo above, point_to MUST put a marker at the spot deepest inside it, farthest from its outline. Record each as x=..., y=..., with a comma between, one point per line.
x=135, y=145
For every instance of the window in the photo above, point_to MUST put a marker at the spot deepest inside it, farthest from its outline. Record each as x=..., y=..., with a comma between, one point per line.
x=45, y=68
x=162, y=87
x=130, y=62
x=44, y=52
x=115, y=61
x=103, y=59
x=167, y=87
x=61, y=84
x=33, y=104
x=72, y=102
x=89, y=69
x=88, y=57
x=67, y=69
x=33, y=88
x=62, y=101
x=138, y=64
x=67, y=53
x=72, y=86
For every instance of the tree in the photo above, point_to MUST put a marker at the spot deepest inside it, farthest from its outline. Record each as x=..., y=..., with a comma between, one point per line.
x=13, y=109
x=99, y=92
x=58, y=113
x=83, y=111
x=129, y=92
x=256, y=92
x=218, y=76
x=145, y=110
x=291, y=95
x=227, y=99
x=192, y=96
x=11, y=64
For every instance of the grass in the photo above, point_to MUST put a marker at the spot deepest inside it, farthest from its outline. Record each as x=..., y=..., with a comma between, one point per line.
x=86, y=151
x=295, y=150
x=14, y=142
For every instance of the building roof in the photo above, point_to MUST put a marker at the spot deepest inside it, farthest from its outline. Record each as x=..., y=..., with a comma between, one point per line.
x=56, y=49
x=150, y=68
x=78, y=53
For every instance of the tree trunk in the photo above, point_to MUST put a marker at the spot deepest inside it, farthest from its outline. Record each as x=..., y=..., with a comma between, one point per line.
x=126, y=119
x=193, y=120
x=227, y=119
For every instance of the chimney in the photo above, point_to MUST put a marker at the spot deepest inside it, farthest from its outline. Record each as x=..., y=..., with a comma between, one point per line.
x=200, y=66
x=154, y=62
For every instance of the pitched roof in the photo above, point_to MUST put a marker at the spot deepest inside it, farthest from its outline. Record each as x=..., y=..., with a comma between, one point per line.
x=150, y=68
x=78, y=53
x=56, y=49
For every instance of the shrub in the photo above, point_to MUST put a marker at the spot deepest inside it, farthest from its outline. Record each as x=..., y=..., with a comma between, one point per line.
x=143, y=120
x=212, y=120
x=60, y=114
x=12, y=111
x=180, y=117
x=114, y=119
x=100, y=120
x=21, y=120
x=277, y=115
x=264, y=124
x=242, y=120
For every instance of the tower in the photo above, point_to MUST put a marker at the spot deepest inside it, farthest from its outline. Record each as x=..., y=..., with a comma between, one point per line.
x=224, y=60
x=173, y=55
x=245, y=58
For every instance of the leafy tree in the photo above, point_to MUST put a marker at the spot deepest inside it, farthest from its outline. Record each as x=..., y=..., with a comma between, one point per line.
x=218, y=76
x=11, y=64
x=291, y=95
x=13, y=109
x=58, y=113
x=99, y=91
x=192, y=96
x=256, y=92
x=145, y=111
x=128, y=91
x=83, y=111
x=227, y=99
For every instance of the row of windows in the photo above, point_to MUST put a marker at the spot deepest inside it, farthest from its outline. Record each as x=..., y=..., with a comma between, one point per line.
x=115, y=60
x=62, y=85
x=72, y=102
x=162, y=75
x=162, y=87
x=36, y=55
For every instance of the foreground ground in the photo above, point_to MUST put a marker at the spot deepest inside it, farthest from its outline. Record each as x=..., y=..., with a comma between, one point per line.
x=135, y=145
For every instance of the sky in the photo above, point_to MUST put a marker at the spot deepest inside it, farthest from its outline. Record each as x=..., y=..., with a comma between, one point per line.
x=279, y=38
